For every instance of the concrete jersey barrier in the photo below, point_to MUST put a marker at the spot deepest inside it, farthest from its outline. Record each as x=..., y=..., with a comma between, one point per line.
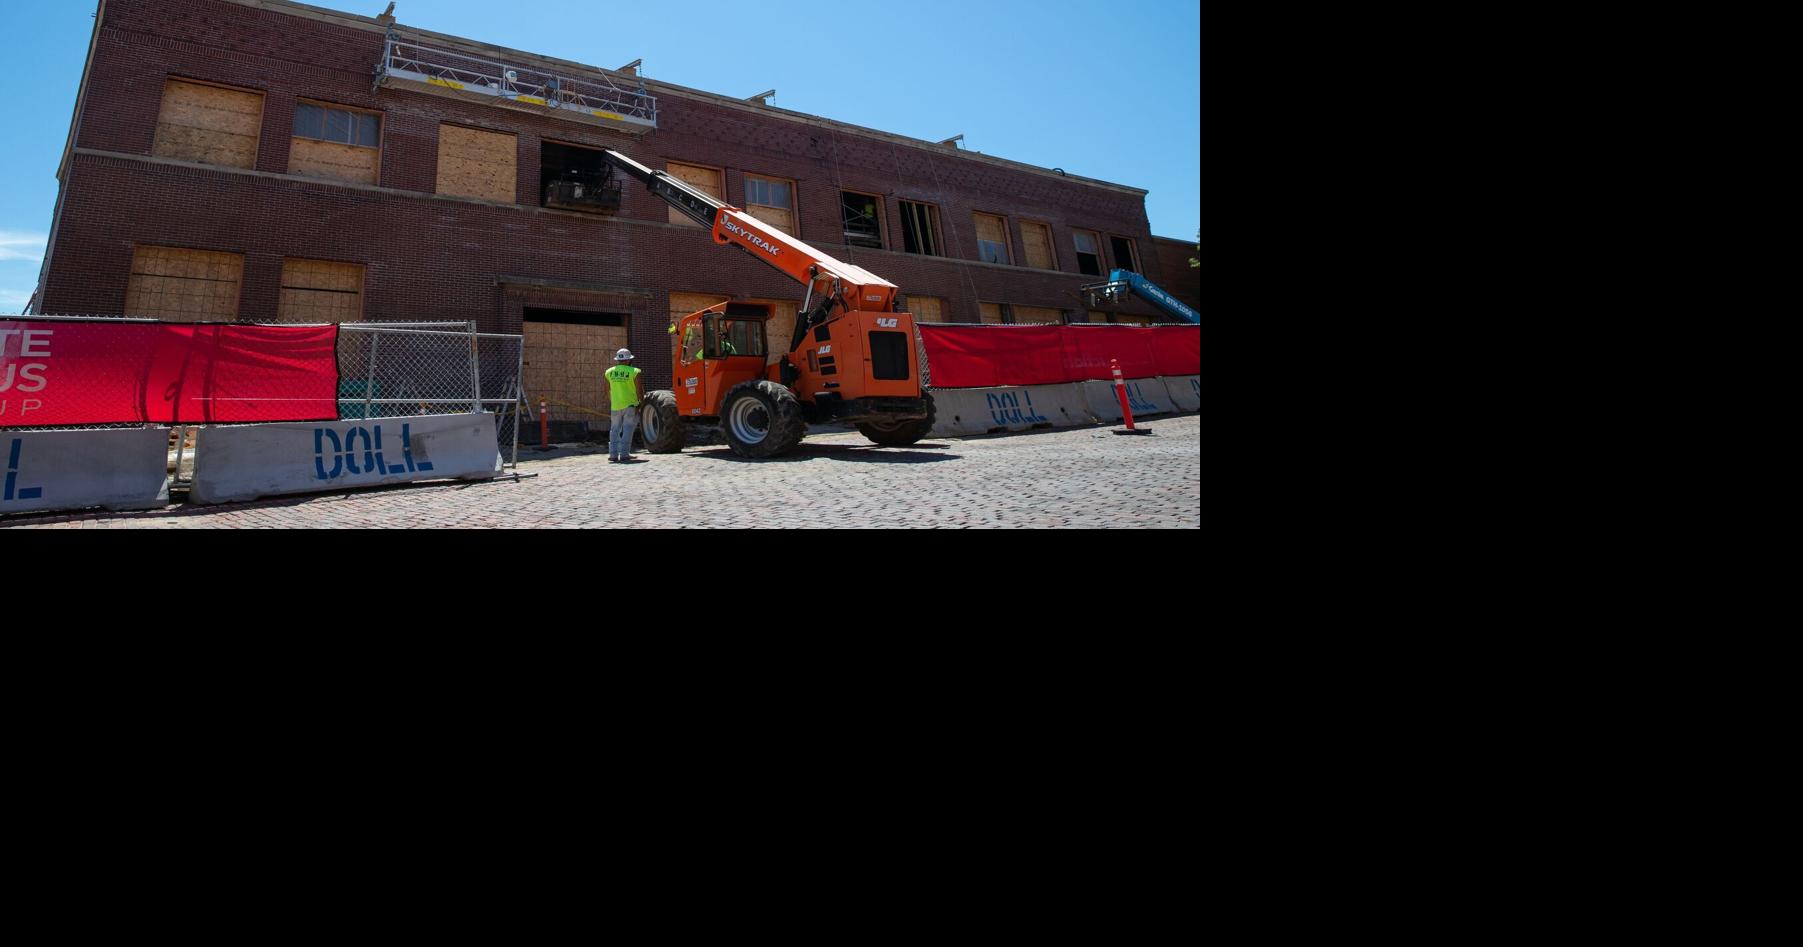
x=75, y=470
x=1186, y=391
x=243, y=463
x=982, y=410
x=1146, y=396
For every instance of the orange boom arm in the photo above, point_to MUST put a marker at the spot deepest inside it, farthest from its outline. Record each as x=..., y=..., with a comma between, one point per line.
x=840, y=286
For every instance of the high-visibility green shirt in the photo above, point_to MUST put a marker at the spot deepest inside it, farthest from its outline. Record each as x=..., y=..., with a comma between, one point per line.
x=620, y=380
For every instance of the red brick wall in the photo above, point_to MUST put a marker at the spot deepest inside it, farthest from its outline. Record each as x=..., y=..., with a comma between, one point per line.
x=1173, y=272
x=433, y=258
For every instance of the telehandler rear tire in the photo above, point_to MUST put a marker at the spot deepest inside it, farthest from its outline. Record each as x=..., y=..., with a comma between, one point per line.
x=761, y=419
x=659, y=424
x=903, y=433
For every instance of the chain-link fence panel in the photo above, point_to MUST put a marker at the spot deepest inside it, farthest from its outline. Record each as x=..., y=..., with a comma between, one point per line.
x=502, y=359
x=391, y=370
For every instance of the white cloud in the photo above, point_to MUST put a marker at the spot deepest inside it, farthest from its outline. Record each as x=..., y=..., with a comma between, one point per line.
x=15, y=245
x=12, y=300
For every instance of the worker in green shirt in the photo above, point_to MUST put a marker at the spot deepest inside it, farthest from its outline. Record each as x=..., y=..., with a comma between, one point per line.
x=626, y=390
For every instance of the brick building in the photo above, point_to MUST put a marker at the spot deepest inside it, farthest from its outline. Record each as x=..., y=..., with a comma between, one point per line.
x=249, y=160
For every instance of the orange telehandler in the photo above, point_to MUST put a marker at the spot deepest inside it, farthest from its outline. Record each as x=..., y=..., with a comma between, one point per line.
x=851, y=359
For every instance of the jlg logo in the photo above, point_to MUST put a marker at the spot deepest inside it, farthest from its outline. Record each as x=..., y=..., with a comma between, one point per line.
x=888, y=323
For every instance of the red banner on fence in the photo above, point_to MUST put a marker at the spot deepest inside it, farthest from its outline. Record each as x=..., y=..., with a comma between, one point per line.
x=998, y=356
x=70, y=373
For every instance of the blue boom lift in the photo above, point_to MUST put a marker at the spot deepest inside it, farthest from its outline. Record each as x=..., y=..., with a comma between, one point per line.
x=1122, y=282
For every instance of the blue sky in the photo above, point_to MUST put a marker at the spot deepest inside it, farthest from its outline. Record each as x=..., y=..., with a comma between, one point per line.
x=1104, y=91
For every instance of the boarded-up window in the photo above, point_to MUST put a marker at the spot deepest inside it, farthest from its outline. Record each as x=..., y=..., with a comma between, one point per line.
x=478, y=164
x=771, y=201
x=336, y=143
x=566, y=354
x=1036, y=239
x=781, y=327
x=1122, y=318
x=701, y=179
x=681, y=304
x=992, y=239
x=1035, y=315
x=994, y=314
x=1090, y=315
x=209, y=124
x=1089, y=253
x=184, y=285
x=317, y=291
x=926, y=308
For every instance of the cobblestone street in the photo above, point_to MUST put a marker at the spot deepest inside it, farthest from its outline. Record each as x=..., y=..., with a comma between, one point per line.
x=1079, y=477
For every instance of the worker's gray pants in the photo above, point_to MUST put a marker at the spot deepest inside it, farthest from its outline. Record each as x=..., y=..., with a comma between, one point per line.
x=619, y=432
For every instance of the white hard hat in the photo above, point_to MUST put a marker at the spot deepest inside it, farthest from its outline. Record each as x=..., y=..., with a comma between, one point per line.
x=623, y=355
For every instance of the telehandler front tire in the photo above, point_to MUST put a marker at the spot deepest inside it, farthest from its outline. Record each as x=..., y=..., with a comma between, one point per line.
x=761, y=419
x=659, y=424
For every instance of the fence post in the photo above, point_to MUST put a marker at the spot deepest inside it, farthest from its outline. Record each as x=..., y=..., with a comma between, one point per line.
x=519, y=394
x=369, y=382
x=475, y=371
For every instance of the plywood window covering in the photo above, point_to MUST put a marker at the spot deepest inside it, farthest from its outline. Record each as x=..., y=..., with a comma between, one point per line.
x=862, y=215
x=771, y=201
x=1036, y=239
x=702, y=179
x=209, y=124
x=926, y=308
x=992, y=239
x=1122, y=318
x=1037, y=315
x=920, y=228
x=564, y=364
x=479, y=164
x=1124, y=257
x=318, y=291
x=336, y=143
x=1089, y=253
x=184, y=285
x=994, y=314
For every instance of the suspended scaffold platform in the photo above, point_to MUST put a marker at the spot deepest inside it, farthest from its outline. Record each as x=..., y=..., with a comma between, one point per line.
x=595, y=101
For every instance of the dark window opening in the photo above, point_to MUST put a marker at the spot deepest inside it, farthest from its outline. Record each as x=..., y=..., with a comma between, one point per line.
x=1123, y=253
x=862, y=215
x=579, y=179
x=920, y=229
